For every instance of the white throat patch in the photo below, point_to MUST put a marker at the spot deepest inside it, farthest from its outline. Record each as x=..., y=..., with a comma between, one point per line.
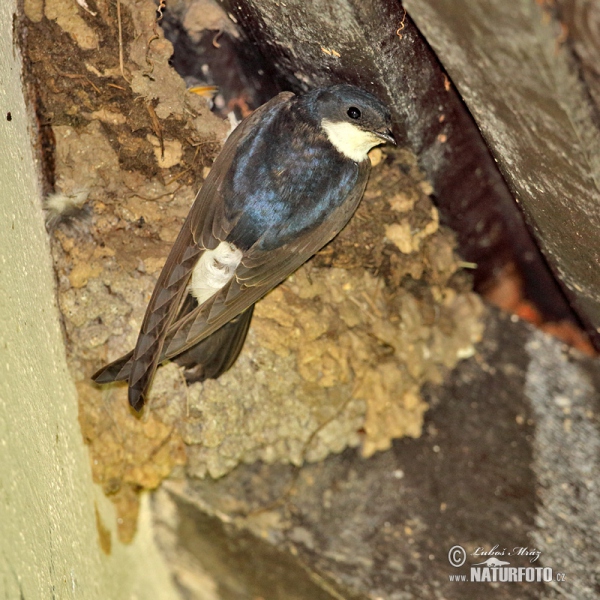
x=214, y=269
x=350, y=140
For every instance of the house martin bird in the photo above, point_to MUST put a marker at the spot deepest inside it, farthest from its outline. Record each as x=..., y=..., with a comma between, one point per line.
x=288, y=179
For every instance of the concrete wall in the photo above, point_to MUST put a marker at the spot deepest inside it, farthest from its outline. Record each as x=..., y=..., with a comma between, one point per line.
x=50, y=511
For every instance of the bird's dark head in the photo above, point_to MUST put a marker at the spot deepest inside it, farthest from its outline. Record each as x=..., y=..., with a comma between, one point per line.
x=354, y=120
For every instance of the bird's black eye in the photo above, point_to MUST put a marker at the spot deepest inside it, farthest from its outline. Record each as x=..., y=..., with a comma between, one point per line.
x=353, y=112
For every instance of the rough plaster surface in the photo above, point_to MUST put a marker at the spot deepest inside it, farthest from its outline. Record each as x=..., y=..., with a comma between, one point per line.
x=56, y=530
x=566, y=450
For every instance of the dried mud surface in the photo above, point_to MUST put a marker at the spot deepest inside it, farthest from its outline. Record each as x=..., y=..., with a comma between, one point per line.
x=336, y=355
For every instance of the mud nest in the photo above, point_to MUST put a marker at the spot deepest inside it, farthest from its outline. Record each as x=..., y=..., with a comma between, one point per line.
x=336, y=355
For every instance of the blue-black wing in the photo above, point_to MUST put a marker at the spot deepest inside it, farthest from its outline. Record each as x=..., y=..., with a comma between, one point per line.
x=139, y=365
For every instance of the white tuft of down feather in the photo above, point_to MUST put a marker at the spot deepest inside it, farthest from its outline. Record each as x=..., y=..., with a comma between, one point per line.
x=214, y=270
x=61, y=204
x=352, y=141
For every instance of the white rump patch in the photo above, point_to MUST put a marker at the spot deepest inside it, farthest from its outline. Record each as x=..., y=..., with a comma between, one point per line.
x=350, y=140
x=214, y=269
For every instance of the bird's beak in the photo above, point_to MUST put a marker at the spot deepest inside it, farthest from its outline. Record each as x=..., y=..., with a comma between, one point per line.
x=387, y=135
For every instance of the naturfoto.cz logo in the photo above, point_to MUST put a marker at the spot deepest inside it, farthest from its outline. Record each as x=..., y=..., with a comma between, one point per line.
x=497, y=570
